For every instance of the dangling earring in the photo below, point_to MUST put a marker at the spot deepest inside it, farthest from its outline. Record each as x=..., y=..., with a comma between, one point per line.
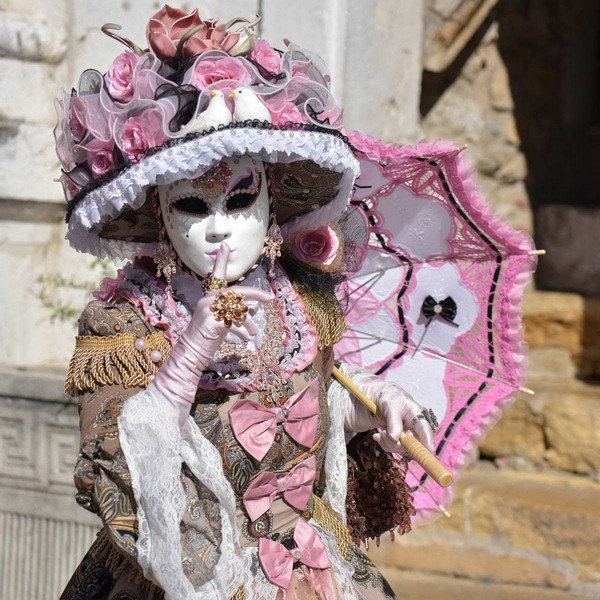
x=164, y=256
x=273, y=243
x=165, y=260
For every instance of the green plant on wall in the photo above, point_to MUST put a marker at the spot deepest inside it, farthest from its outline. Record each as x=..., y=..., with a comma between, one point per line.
x=53, y=289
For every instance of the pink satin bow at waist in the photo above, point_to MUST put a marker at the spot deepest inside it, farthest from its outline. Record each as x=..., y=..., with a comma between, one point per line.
x=296, y=488
x=254, y=425
x=277, y=561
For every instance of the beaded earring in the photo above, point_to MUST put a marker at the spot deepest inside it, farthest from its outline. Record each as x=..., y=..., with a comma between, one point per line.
x=273, y=243
x=164, y=256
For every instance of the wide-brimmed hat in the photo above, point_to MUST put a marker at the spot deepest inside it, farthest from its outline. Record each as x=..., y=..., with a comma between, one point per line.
x=200, y=93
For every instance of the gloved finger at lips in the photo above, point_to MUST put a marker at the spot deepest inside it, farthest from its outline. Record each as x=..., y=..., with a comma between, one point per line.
x=220, y=268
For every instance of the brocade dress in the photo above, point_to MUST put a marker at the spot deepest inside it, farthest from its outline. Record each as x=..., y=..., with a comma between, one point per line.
x=273, y=452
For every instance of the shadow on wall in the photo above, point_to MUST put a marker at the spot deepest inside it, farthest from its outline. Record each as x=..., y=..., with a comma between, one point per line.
x=550, y=49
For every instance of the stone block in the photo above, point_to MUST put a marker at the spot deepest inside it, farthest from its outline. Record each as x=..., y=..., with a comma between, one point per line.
x=500, y=95
x=28, y=251
x=31, y=38
x=550, y=363
x=553, y=515
x=28, y=163
x=424, y=586
x=554, y=319
x=457, y=116
x=470, y=562
x=519, y=432
x=511, y=202
x=572, y=429
x=567, y=321
x=514, y=170
x=353, y=38
x=28, y=89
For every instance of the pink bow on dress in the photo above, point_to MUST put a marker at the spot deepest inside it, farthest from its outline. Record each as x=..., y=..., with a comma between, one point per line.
x=296, y=488
x=277, y=561
x=254, y=425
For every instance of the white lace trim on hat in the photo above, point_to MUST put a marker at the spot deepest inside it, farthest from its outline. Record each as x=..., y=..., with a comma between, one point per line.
x=193, y=158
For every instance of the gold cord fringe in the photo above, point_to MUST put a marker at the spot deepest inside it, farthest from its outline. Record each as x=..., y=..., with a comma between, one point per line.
x=326, y=315
x=113, y=359
x=328, y=519
x=239, y=594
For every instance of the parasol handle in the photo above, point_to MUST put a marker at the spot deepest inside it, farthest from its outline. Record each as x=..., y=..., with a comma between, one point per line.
x=432, y=466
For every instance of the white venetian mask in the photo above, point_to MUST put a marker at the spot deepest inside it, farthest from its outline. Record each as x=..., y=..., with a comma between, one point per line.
x=229, y=203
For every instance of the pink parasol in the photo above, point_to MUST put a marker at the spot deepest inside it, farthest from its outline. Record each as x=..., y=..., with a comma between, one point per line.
x=436, y=305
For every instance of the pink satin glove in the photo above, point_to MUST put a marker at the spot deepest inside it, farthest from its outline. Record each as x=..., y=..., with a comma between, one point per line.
x=178, y=377
x=398, y=407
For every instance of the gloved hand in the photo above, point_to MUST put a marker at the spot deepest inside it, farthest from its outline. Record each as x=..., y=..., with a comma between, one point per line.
x=177, y=379
x=397, y=406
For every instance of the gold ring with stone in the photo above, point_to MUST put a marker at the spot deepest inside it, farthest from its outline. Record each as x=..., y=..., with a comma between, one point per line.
x=214, y=283
x=229, y=308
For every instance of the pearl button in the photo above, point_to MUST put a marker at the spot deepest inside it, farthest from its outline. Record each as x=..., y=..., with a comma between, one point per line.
x=155, y=356
x=141, y=344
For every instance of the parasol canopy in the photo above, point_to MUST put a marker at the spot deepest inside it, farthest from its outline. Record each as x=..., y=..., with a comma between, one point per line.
x=436, y=305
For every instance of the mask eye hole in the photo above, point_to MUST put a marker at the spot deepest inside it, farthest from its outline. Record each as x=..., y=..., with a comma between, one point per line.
x=241, y=200
x=195, y=207
x=244, y=193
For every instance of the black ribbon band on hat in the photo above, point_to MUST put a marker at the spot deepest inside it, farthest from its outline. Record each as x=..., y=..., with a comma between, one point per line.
x=444, y=308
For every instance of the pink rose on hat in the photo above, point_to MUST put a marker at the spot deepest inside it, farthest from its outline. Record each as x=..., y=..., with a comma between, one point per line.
x=320, y=247
x=119, y=78
x=268, y=58
x=76, y=117
x=169, y=25
x=212, y=70
x=100, y=157
x=142, y=132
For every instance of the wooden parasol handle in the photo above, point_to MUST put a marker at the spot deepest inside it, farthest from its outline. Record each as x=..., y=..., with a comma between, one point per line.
x=432, y=466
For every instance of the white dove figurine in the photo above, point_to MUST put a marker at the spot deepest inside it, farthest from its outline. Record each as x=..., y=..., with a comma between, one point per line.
x=248, y=106
x=215, y=114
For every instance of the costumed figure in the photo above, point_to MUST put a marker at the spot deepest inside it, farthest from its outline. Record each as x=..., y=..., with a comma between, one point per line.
x=214, y=443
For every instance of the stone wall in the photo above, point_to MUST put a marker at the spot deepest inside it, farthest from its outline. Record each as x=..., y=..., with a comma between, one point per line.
x=43, y=532
x=470, y=102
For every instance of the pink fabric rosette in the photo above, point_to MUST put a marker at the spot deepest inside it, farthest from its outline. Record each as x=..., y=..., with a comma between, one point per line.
x=213, y=69
x=120, y=79
x=141, y=132
x=318, y=247
x=169, y=24
x=268, y=58
x=100, y=157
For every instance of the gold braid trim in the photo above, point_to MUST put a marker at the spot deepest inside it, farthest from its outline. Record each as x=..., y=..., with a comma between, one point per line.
x=114, y=359
x=329, y=520
x=325, y=313
x=239, y=594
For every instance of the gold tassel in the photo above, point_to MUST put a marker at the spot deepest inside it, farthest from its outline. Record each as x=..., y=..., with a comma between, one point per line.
x=114, y=359
x=326, y=315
